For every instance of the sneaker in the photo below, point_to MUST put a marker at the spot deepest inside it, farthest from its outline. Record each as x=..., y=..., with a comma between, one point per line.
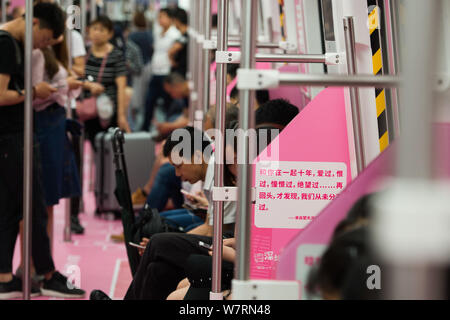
x=13, y=289
x=75, y=225
x=35, y=278
x=139, y=197
x=59, y=287
x=99, y=295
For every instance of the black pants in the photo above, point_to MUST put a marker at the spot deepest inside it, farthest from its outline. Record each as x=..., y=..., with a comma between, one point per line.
x=75, y=201
x=162, y=266
x=199, y=273
x=155, y=91
x=93, y=127
x=11, y=211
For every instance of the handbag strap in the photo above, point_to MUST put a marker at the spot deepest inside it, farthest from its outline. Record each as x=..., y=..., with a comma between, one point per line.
x=102, y=67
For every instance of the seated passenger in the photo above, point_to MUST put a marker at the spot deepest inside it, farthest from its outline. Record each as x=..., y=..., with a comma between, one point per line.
x=164, y=260
x=162, y=265
x=331, y=278
x=275, y=114
x=261, y=97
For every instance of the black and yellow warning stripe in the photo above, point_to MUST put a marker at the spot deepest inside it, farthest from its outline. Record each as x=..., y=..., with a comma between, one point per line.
x=283, y=31
x=377, y=60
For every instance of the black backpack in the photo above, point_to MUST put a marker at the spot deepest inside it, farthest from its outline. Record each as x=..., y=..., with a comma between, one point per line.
x=152, y=223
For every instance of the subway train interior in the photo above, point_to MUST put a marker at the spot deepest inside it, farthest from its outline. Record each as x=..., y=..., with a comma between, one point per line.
x=203, y=150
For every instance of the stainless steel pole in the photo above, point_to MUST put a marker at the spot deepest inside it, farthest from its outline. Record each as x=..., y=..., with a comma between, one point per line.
x=416, y=278
x=83, y=9
x=246, y=122
x=67, y=219
x=222, y=31
x=200, y=64
x=331, y=80
x=84, y=24
x=3, y=11
x=28, y=154
x=190, y=73
x=290, y=58
x=93, y=10
x=415, y=154
x=390, y=9
x=350, y=46
x=261, y=45
x=194, y=71
x=206, y=58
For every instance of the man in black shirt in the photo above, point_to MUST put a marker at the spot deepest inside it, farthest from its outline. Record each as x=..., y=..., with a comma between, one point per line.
x=48, y=25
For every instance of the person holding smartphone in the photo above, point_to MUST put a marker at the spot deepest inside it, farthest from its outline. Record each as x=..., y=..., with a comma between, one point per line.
x=60, y=173
x=48, y=25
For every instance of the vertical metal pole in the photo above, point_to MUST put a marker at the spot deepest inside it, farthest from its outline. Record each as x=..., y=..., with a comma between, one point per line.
x=200, y=64
x=93, y=10
x=414, y=162
x=349, y=32
x=194, y=70
x=28, y=154
x=191, y=59
x=83, y=9
x=246, y=122
x=390, y=17
x=415, y=156
x=4, y=11
x=206, y=61
x=84, y=24
x=222, y=45
x=67, y=231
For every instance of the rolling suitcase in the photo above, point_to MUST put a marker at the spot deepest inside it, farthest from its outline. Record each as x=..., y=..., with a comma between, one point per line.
x=139, y=149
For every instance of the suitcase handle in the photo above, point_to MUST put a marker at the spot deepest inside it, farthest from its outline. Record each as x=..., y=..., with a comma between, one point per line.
x=118, y=140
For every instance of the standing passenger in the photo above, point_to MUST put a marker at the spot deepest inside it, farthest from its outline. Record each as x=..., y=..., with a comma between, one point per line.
x=48, y=24
x=113, y=80
x=165, y=36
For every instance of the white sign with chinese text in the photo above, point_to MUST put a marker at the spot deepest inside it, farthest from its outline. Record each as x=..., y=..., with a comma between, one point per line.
x=289, y=194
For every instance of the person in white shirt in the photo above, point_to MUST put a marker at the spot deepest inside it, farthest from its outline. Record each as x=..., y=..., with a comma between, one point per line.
x=78, y=53
x=165, y=36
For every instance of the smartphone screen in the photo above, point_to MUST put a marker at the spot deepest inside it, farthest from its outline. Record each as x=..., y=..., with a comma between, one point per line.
x=136, y=245
x=186, y=193
x=205, y=245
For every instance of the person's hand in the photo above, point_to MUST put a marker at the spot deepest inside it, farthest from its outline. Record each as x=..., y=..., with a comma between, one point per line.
x=199, y=199
x=228, y=254
x=123, y=124
x=73, y=83
x=43, y=90
x=96, y=88
x=230, y=242
x=163, y=128
x=143, y=243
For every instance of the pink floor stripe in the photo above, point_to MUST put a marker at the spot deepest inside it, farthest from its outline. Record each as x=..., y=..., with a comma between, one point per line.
x=93, y=255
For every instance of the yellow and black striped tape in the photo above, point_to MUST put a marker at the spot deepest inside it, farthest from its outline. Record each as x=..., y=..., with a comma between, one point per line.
x=377, y=59
x=283, y=31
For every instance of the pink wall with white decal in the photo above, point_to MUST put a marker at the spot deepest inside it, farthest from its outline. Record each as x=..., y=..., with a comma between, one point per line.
x=318, y=134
